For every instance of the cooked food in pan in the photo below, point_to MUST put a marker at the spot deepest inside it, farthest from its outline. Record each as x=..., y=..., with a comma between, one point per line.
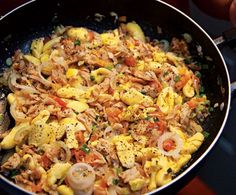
x=109, y=113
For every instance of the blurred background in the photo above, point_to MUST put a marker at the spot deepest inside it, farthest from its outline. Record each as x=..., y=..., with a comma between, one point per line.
x=218, y=174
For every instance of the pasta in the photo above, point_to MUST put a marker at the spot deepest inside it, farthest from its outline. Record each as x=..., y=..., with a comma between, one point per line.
x=108, y=113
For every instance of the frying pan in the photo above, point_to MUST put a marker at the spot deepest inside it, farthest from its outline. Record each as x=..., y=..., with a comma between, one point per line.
x=38, y=18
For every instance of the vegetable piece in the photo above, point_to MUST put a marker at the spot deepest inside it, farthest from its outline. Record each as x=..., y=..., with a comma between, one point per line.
x=77, y=42
x=168, y=145
x=65, y=190
x=59, y=101
x=9, y=141
x=78, y=33
x=130, y=61
x=136, y=31
x=91, y=36
x=177, y=142
x=57, y=171
x=80, y=176
x=188, y=90
x=85, y=148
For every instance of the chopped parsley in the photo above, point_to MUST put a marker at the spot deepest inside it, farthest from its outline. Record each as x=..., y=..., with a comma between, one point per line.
x=165, y=73
x=205, y=134
x=85, y=148
x=119, y=170
x=201, y=90
x=115, y=181
x=147, y=118
x=198, y=74
x=109, y=67
x=177, y=78
x=77, y=42
x=210, y=109
x=92, y=78
x=14, y=173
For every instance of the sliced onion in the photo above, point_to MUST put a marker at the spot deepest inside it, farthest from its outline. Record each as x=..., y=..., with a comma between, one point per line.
x=108, y=130
x=17, y=115
x=13, y=84
x=81, y=176
x=178, y=142
x=21, y=134
x=88, y=191
x=62, y=145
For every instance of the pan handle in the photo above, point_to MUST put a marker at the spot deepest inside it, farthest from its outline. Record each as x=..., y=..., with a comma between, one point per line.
x=225, y=43
x=228, y=37
x=233, y=89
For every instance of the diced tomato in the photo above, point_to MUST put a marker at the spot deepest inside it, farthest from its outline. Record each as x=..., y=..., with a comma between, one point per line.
x=168, y=145
x=191, y=104
x=80, y=137
x=79, y=154
x=159, y=126
x=91, y=35
x=46, y=162
x=91, y=158
x=59, y=101
x=182, y=82
x=113, y=114
x=130, y=61
x=94, y=137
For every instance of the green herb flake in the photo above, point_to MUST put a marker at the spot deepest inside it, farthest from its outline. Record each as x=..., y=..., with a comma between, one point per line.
x=94, y=127
x=177, y=78
x=85, y=148
x=115, y=181
x=118, y=170
x=201, y=90
x=210, y=109
x=14, y=173
x=109, y=67
x=198, y=74
x=92, y=78
x=165, y=73
x=147, y=118
x=77, y=42
x=205, y=134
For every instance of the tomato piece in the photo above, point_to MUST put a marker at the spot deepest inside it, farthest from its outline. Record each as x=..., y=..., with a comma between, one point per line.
x=130, y=61
x=191, y=104
x=168, y=145
x=79, y=154
x=159, y=126
x=46, y=162
x=182, y=82
x=91, y=158
x=91, y=36
x=59, y=101
x=113, y=114
x=80, y=137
